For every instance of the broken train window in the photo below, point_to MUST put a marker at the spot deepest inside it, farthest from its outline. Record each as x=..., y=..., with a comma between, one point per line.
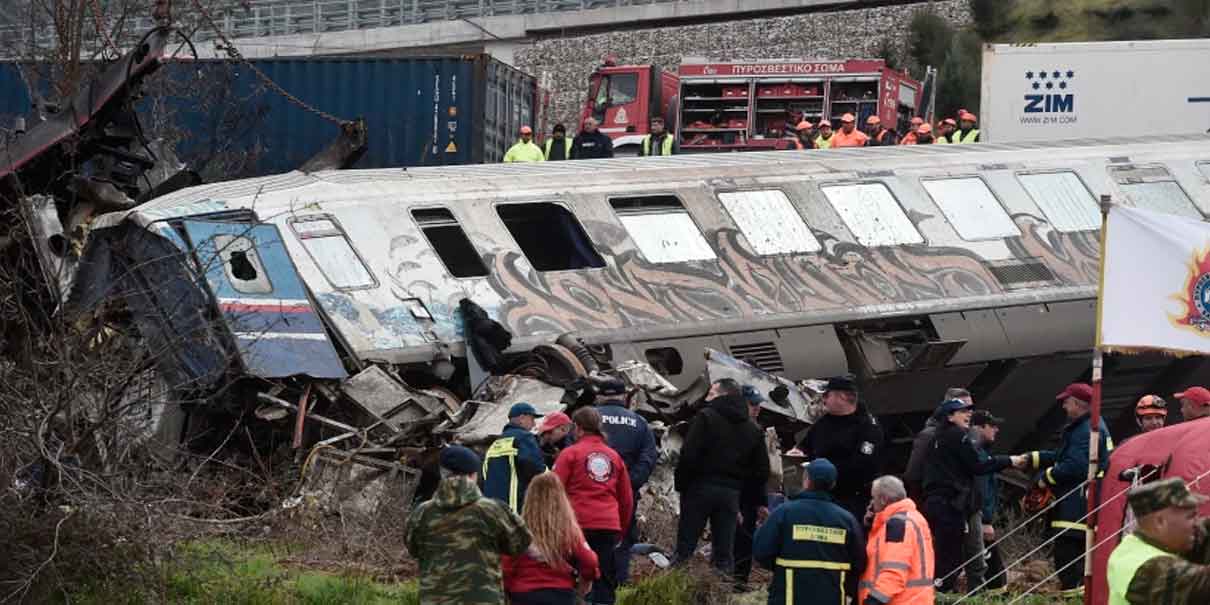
x=662, y=228
x=549, y=236
x=769, y=222
x=450, y=242
x=871, y=212
x=242, y=265
x=328, y=245
x=1154, y=188
x=971, y=208
x=1063, y=199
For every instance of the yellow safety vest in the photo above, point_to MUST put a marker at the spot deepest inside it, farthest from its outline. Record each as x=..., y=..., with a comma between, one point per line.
x=665, y=145
x=505, y=448
x=969, y=138
x=1125, y=560
x=524, y=152
x=822, y=143
x=566, y=147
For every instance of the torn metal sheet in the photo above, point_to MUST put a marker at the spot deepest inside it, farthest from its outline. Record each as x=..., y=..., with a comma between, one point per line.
x=56, y=253
x=491, y=416
x=643, y=375
x=511, y=388
x=388, y=399
x=799, y=405
x=359, y=485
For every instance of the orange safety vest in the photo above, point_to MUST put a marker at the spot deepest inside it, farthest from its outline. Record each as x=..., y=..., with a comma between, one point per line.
x=908, y=139
x=899, y=563
x=857, y=139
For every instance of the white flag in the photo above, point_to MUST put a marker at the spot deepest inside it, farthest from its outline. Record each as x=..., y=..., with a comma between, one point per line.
x=1155, y=283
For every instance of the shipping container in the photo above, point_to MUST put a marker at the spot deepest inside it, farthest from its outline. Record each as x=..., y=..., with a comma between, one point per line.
x=419, y=111
x=1045, y=92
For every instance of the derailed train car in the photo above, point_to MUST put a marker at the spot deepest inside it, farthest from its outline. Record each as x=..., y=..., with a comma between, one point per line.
x=915, y=268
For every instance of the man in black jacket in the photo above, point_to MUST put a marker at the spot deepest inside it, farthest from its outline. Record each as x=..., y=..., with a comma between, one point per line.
x=591, y=143
x=723, y=453
x=851, y=438
x=951, y=496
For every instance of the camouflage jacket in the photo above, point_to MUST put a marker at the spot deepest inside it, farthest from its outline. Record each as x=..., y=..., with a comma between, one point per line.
x=458, y=538
x=1175, y=580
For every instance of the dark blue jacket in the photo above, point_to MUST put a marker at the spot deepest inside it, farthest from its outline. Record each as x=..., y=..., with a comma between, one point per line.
x=1067, y=467
x=628, y=434
x=815, y=548
x=989, y=484
x=510, y=463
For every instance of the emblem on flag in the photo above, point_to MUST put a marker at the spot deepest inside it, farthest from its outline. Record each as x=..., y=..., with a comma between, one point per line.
x=1196, y=295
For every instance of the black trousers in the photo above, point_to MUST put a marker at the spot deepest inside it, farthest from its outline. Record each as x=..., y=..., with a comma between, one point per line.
x=995, y=576
x=629, y=538
x=714, y=503
x=743, y=544
x=603, y=543
x=948, y=525
x=546, y=596
x=1069, y=548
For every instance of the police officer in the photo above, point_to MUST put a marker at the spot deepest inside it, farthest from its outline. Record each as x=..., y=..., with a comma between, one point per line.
x=851, y=438
x=628, y=434
x=659, y=142
x=458, y=537
x=513, y=459
x=1064, y=471
x=1166, y=559
x=814, y=547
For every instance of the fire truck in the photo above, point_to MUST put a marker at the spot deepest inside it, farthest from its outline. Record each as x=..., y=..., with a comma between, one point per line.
x=744, y=106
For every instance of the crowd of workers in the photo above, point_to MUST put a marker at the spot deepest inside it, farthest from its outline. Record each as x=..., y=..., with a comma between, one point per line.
x=592, y=143
x=546, y=537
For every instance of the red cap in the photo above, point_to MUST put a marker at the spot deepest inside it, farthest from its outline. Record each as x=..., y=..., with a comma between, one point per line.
x=823, y=123
x=1196, y=395
x=1078, y=390
x=848, y=117
x=872, y=120
x=527, y=130
x=554, y=421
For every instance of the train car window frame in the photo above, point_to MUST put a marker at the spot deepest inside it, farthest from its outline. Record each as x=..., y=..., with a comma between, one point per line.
x=676, y=222
x=812, y=243
x=423, y=228
x=1204, y=168
x=961, y=229
x=1044, y=207
x=860, y=232
x=596, y=262
x=1166, y=205
x=337, y=231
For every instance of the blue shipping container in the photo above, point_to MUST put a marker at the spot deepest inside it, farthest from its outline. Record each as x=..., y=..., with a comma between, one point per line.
x=418, y=110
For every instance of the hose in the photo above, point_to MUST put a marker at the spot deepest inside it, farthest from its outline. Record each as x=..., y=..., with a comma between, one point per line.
x=573, y=344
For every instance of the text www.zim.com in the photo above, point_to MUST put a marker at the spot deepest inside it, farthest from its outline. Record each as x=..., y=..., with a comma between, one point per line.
x=1048, y=119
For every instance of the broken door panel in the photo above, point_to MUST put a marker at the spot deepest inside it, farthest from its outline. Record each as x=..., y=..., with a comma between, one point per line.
x=262, y=300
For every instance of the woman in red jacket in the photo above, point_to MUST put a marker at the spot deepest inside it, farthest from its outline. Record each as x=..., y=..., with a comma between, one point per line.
x=559, y=560
x=599, y=489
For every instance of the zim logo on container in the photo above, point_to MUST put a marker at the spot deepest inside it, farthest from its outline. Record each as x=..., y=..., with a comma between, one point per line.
x=1196, y=295
x=1049, y=91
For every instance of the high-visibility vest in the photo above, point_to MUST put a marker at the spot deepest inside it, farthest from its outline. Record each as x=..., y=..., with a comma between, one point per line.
x=941, y=140
x=1125, y=560
x=899, y=571
x=566, y=148
x=665, y=145
x=968, y=138
x=524, y=152
x=504, y=447
x=822, y=143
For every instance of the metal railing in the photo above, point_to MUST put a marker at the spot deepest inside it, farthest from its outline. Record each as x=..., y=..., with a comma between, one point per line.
x=260, y=18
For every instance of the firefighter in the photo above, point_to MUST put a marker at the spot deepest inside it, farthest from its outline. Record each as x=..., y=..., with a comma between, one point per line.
x=924, y=135
x=899, y=553
x=1150, y=413
x=1064, y=472
x=880, y=136
x=814, y=547
x=909, y=138
x=513, y=459
x=1195, y=403
x=849, y=136
x=524, y=150
x=967, y=133
x=945, y=129
x=804, y=135
x=591, y=143
x=558, y=146
x=824, y=140
x=659, y=142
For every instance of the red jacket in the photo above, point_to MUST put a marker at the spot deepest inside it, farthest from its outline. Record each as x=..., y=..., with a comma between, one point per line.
x=524, y=573
x=597, y=484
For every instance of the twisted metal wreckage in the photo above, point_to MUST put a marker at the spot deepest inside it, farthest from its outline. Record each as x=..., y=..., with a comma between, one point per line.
x=198, y=291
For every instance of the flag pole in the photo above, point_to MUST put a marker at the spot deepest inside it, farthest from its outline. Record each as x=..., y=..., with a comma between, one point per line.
x=1094, y=420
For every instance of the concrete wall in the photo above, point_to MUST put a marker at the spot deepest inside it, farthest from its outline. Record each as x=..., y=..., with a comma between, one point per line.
x=564, y=63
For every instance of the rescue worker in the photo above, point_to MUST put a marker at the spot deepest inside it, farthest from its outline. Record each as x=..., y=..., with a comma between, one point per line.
x=600, y=493
x=723, y=452
x=815, y=548
x=513, y=459
x=909, y=138
x=951, y=495
x=558, y=146
x=630, y=436
x=945, y=129
x=554, y=436
x=524, y=150
x=1167, y=558
x=824, y=139
x=1150, y=413
x=899, y=552
x=913, y=477
x=1064, y=471
x=591, y=143
x=458, y=536
x=1195, y=403
x=880, y=136
x=924, y=135
x=659, y=142
x=851, y=438
x=849, y=136
x=967, y=133
x=753, y=503
x=985, y=427
x=804, y=135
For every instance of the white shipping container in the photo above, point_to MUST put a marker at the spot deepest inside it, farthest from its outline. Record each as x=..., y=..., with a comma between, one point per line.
x=1046, y=92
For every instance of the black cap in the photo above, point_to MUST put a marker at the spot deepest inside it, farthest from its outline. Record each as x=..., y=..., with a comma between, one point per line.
x=459, y=459
x=559, y=128
x=985, y=418
x=841, y=383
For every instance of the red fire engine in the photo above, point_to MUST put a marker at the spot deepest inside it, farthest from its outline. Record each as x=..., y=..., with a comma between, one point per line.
x=745, y=106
